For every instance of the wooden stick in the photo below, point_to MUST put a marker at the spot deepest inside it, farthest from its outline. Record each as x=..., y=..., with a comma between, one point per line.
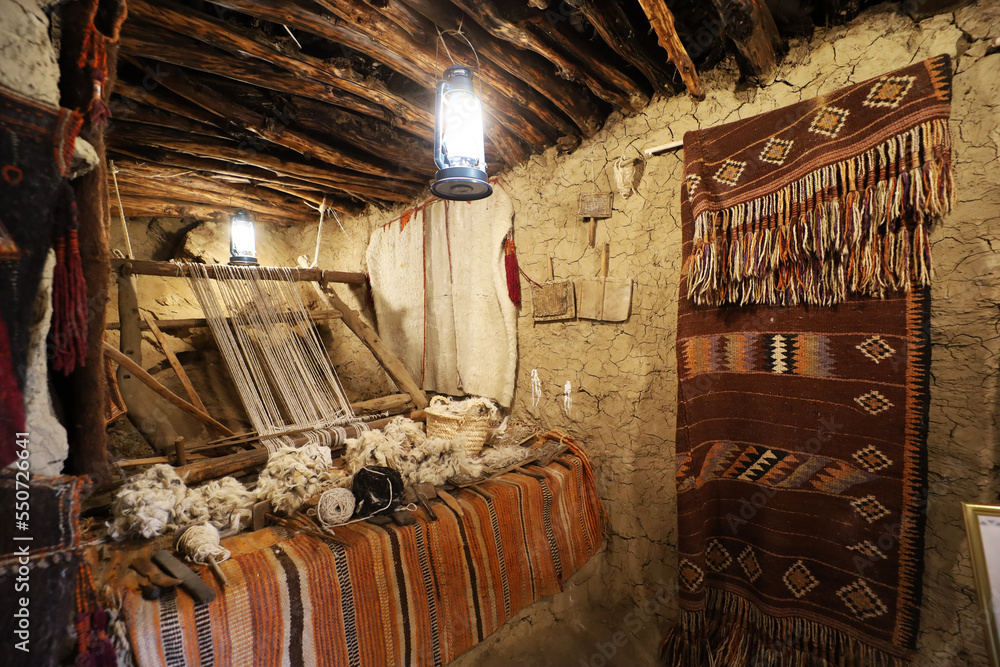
x=383, y=403
x=662, y=20
x=173, y=398
x=145, y=267
x=176, y=365
x=196, y=322
x=393, y=366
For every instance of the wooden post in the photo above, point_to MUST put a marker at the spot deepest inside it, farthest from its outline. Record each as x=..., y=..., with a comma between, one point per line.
x=662, y=20
x=170, y=396
x=393, y=366
x=176, y=365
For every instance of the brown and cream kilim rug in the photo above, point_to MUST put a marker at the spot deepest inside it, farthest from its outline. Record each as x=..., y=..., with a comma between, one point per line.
x=802, y=403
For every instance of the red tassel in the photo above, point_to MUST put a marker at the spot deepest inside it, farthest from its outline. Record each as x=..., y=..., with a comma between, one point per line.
x=11, y=403
x=69, y=295
x=99, y=113
x=513, y=271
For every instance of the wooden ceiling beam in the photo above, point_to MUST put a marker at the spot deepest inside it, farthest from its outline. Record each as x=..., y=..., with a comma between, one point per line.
x=519, y=108
x=155, y=205
x=369, y=187
x=526, y=29
x=574, y=99
x=152, y=115
x=151, y=93
x=205, y=96
x=155, y=43
x=615, y=27
x=159, y=158
x=416, y=26
x=243, y=43
x=750, y=25
x=662, y=20
x=380, y=39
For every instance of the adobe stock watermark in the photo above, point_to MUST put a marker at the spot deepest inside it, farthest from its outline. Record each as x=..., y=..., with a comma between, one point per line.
x=828, y=427
x=21, y=615
x=633, y=621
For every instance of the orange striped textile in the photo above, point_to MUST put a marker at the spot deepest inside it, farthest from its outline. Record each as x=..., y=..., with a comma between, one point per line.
x=394, y=596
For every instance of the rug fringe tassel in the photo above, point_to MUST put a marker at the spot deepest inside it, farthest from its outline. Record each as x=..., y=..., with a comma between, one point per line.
x=735, y=633
x=857, y=226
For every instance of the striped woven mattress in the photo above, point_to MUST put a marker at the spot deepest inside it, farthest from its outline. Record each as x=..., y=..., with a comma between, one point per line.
x=414, y=595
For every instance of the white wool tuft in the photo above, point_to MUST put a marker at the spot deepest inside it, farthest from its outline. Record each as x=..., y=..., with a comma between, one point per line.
x=403, y=446
x=224, y=503
x=501, y=458
x=293, y=475
x=147, y=504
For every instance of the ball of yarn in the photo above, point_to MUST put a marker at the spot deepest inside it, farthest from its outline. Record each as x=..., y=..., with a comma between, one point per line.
x=200, y=542
x=335, y=507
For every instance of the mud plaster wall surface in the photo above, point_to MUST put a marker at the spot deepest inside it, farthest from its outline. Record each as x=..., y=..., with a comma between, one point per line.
x=171, y=298
x=623, y=375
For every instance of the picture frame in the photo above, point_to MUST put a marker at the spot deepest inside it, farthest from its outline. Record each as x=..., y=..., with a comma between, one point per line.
x=982, y=524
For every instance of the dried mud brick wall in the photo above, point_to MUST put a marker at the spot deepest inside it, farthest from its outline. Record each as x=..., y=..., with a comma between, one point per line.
x=624, y=377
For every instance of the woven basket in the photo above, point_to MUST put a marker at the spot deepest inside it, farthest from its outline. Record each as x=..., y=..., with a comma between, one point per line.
x=473, y=427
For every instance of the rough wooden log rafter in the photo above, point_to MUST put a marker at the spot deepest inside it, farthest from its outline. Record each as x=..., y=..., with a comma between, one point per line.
x=749, y=24
x=662, y=20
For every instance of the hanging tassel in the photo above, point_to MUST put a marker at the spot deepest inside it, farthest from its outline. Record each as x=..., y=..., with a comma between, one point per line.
x=94, y=647
x=12, y=420
x=68, y=335
x=99, y=113
x=513, y=270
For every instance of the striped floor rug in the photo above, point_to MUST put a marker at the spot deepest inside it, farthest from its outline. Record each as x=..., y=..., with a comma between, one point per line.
x=414, y=595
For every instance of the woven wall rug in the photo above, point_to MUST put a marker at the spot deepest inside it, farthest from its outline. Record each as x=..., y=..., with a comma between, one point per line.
x=803, y=401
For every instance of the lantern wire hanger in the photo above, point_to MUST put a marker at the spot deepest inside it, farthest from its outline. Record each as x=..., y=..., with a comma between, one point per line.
x=458, y=130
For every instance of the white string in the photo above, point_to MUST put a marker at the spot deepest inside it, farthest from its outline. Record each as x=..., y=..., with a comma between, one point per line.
x=536, y=388
x=319, y=233
x=121, y=209
x=279, y=365
x=568, y=399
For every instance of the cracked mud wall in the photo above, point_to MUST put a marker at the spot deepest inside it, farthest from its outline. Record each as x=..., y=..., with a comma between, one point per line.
x=624, y=377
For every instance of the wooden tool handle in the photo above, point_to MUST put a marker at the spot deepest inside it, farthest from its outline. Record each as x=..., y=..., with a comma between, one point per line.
x=552, y=273
x=593, y=232
x=604, y=260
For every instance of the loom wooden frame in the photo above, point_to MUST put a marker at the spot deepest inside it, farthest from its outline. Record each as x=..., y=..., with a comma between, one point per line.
x=982, y=574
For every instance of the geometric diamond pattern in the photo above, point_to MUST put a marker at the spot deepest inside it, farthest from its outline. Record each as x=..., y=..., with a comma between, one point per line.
x=868, y=549
x=748, y=560
x=872, y=459
x=799, y=579
x=690, y=575
x=876, y=349
x=889, y=92
x=692, y=181
x=828, y=121
x=730, y=171
x=776, y=150
x=869, y=508
x=860, y=599
x=716, y=556
x=873, y=402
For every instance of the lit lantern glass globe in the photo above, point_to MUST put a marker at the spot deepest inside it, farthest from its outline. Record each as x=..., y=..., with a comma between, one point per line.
x=242, y=243
x=458, y=139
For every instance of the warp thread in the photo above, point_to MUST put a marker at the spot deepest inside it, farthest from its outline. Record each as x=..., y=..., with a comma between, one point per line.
x=201, y=542
x=335, y=507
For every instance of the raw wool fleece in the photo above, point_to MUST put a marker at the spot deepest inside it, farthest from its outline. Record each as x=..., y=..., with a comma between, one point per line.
x=293, y=475
x=157, y=501
x=403, y=446
x=440, y=288
x=149, y=504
